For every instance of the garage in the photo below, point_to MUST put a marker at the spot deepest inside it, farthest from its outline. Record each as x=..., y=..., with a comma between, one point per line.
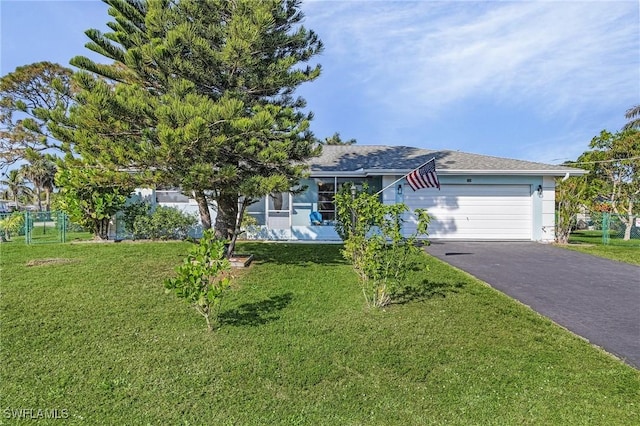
x=475, y=212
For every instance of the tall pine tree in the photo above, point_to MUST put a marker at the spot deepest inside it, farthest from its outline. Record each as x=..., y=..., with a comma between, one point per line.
x=201, y=93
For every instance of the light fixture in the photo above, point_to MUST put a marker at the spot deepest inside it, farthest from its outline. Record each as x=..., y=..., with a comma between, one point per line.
x=539, y=190
x=399, y=190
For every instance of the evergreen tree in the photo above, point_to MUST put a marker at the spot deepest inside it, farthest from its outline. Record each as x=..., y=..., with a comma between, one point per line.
x=200, y=93
x=335, y=139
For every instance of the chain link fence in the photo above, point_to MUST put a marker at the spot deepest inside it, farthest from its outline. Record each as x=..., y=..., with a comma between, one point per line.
x=45, y=227
x=607, y=229
x=39, y=227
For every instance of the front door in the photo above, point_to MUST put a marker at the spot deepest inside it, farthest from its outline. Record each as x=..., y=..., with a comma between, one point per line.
x=279, y=211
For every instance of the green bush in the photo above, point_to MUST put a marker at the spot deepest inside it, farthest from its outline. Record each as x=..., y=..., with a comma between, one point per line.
x=203, y=277
x=374, y=242
x=11, y=224
x=131, y=212
x=165, y=223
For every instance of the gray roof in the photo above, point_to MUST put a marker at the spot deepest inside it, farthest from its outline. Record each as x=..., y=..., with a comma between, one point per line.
x=381, y=159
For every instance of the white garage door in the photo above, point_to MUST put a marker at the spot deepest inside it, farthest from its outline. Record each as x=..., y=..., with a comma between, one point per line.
x=474, y=212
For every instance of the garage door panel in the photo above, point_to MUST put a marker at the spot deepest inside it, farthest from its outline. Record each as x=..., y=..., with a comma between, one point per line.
x=475, y=211
x=459, y=202
x=473, y=225
x=479, y=209
x=486, y=219
x=470, y=190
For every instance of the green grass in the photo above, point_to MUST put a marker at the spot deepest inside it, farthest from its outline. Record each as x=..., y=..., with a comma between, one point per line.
x=45, y=233
x=591, y=242
x=89, y=329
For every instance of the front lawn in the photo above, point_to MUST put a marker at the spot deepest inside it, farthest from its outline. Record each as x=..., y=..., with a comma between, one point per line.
x=591, y=242
x=87, y=328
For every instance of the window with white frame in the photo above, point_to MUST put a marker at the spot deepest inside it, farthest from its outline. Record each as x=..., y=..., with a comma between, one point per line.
x=329, y=187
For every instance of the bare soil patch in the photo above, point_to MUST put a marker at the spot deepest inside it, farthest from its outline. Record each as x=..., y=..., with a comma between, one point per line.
x=50, y=261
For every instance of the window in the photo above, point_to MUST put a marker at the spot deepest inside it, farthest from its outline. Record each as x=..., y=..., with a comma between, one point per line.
x=328, y=187
x=279, y=202
x=326, y=194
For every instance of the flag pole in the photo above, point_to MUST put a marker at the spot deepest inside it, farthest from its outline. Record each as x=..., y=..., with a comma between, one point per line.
x=398, y=180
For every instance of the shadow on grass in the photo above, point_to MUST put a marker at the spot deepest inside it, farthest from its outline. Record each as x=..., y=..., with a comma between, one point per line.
x=293, y=253
x=426, y=290
x=256, y=313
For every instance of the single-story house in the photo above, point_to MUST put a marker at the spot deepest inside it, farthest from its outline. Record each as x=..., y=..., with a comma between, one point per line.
x=480, y=197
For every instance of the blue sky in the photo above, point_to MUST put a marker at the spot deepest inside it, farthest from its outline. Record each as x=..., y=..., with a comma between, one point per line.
x=526, y=80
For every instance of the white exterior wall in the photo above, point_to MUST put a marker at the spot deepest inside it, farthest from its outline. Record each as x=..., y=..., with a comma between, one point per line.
x=547, y=211
x=540, y=223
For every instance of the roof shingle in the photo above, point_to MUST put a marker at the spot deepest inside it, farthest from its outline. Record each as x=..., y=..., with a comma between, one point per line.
x=343, y=158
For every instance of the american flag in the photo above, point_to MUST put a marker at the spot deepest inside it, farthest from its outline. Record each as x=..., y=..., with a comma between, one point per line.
x=424, y=177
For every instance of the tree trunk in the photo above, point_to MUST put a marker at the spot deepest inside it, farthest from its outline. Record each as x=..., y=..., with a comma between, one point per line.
x=47, y=195
x=566, y=212
x=238, y=224
x=629, y=222
x=203, y=207
x=226, y=218
x=39, y=196
x=562, y=237
x=101, y=229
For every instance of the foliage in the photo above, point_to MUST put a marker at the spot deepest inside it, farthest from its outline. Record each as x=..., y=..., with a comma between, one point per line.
x=200, y=93
x=203, y=278
x=633, y=115
x=41, y=171
x=131, y=211
x=165, y=223
x=91, y=196
x=335, y=139
x=248, y=220
x=570, y=197
x=17, y=186
x=374, y=242
x=28, y=96
x=614, y=173
x=11, y=224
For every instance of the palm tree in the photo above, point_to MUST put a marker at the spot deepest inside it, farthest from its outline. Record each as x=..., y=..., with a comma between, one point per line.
x=17, y=186
x=633, y=115
x=48, y=184
x=41, y=172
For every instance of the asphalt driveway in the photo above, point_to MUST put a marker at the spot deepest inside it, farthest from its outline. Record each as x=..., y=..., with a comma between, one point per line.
x=596, y=298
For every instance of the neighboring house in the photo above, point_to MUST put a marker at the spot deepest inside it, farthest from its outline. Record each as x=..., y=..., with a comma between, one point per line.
x=481, y=197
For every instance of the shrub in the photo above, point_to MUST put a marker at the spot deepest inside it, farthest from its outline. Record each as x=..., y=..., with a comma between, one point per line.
x=165, y=223
x=11, y=224
x=374, y=242
x=131, y=212
x=203, y=278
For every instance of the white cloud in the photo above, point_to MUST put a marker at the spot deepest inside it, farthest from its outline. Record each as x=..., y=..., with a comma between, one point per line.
x=425, y=56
